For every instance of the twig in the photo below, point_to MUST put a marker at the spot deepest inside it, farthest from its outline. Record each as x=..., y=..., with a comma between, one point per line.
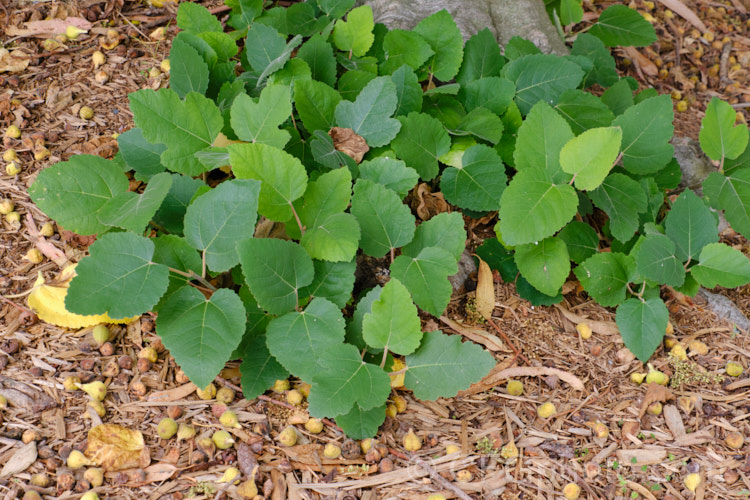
x=507, y=341
x=724, y=63
x=440, y=479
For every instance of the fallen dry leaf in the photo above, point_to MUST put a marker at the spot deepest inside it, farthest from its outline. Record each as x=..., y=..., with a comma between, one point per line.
x=682, y=10
x=48, y=27
x=27, y=397
x=114, y=448
x=537, y=371
x=478, y=335
x=21, y=459
x=349, y=143
x=428, y=204
x=13, y=62
x=602, y=327
x=654, y=392
x=485, y=292
x=642, y=63
x=48, y=302
x=172, y=394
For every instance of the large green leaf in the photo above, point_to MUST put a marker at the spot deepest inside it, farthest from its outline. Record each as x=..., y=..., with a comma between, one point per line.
x=315, y=103
x=421, y=141
x=299, y=340
x=243, y=12
x=720, y=138
x=259, y=122
x=539, y=141
x=541, y=77
x=347, y=381
x=691, y=225
x=189, y=72
x=571, y=12
x=391, y=173
x=532, y=207
x=355, y=34
x=482, y=124
x=581, y=239
x=741, y=162
x=334, y=238
x=545, y=265
x=119, y=278
x=326, y=154
x=590, y=156
x=622, y=199
x=275, y=270
x=482, y=58
x=361, y=424
x=408, y=91
x=369, y=115
x=426, y=277
x=73, y=192
x=176, y=253
x=393, y=322
x=334, y=9
x=604, y=71
x=642, y=325
x=318, y=54
x=195, y=17
x=139, y=154
x=133, y=211
x=619, y=97
x=404, y=47
x=259, y=370
x=621, y=25
x=445, y=230
x=218, y=219
x=283, y=177
x=333, y=281
x=655, y=260
x=201, y=333
x=185, y=127
x=443, y=366
x=605, y=276
x=172, y=211
x=646, y=131
x=479, y=183
x=731, y=194
x=493, y=93
x=722, y=265
x=386, y=223
x=444, y=37
x=263, y=46
x=583, y=110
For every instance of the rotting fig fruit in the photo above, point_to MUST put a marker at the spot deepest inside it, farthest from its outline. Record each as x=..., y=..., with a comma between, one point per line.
x=185, y=431
x=209, y=392
x=314, y=426
x=734, y=440
x=95, y=476
x=411, y=441
x=207, y=445
x=225, y=395
x=41, y=479
x=331, y=451
x=72, y=383
x=288, y=436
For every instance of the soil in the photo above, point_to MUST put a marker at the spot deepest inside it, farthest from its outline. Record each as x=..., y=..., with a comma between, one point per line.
x=599, y=436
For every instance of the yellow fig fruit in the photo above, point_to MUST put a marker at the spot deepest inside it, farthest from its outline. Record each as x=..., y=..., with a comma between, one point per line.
x=10, y=155
x=34, y=256
x=734, y=440
x=98, y=407
x=165, y=66
x=100, y=334
x=400, y=403
x=72, y=32
x=391, y=411
x=230, y=475
x=584, y=330
x=247, y=489
x=514, y=387
x=734, y=369
x=47, y=230
x=208, y=393
x=13, y=132
x=331, y=451
x=101, y=77
x=41, y=479
x=679, y=352
x=6, y=207
x=96, y=390
x=90, y=495
x=411, y=441
x=397, y=380
x=167, y=428
x=546, y=410
x=600, y=430
x=98, y=58
x=637, y=378
x=436, y=496
x=280, y=386
x=294, y=397
x=692, y=481
x=13, y=217
x=12, y=169
x=86, y=113
x=225, y=395
x=222, y=440
x=229, y=419
x=150, y=354
x=655, y=408
x=464, y=476
x=571, y=491
x=287, y=437
x=314, y=426
x=304, y=389
x=656, y=376
x=509, y=451
x=670, y=328
x=698, y=347
x=72, y=383
x=95, y=476
x=76, y=460
x=452, y=448
x=185, y=432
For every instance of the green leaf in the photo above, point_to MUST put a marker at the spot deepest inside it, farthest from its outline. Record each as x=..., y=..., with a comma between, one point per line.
x=443, y=366
x=354, y=327
x=540, y=139
x=479, y=183
x=259, y=122
x=355, y=34
x=426, y=277
x=201, y=333
x=333, y=281
x=173, y=251
x=545, y=265
x=224, y=46
x=369, y=115
x=217, y=220
x=444, y=37
x=334, y=9
x=299, y=340
x=721, y=265
x=482, y=58
x=519, y=47
x=391, y=173
x=619, y=97
x=541, y=77
x=74, y=191
x=445, y=230
x=604, y=71
x=172, y=211
x=583, y=111
x=655, y=260
x=605, y=277
x=408, y=91
x=731, y=194
x=315, y=103
x=329, y=194
x=243, y=12
x=318, y=54
x=133, y=211
x=481, y=123
x=493, y=93
x=196, y=18
x=334, y=238
x=691, y=225
x=361, y=424
x=266, y=50
x=393, y=322
x=189, y=72
x=275, y=270
x=139, y=154
x=404, y=47
x=646, y=131
x=581, y=240
x=259, y=370
x=498, y=258
x=345, y=381
x=527, y=292
x=622, y=199
x=185, y=127
x=741, y=162
x=421, y=141
x=283, y=177
x=294, y=71
x=621, y=25
x=386, y=223
x=302, y=19
x=532, y=207
x=642, y=325
x=118, y=278
x=571, y=12
x=720, y=138
x=445, y=108
x=352, y=83
x=327, y=155
x=590, y=156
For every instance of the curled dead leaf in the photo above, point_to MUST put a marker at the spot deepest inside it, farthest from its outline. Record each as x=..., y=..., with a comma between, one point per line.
x=485, y=290
x=13, y=62
x=349, y=143
x=114, y=448
x=654, y=393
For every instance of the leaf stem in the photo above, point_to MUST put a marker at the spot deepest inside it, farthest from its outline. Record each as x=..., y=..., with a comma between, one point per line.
x=385, y=357
x=393, y=254
x=203, y=264
x=721, y=165
x=193, y=276
x=296, y=217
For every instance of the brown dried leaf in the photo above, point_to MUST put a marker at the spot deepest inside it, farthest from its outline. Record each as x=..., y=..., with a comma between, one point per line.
x=25, y=396
x=304, y=453
x=349, y=143
x=654, y=393
x=21, y=459
x=428, y=204
x=641, y=62
x=13, y=62
x=247, y=461
x=537, y=371
x=48, y=27
x=172, y=394
x=603, y=327
x=485, y=292
x=114, y=448
x=681, y=9
x=489, y=340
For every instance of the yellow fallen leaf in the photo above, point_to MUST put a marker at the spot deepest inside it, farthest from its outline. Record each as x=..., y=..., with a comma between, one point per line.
x=397, y=380
x=48, y=302
x=114, y=448
x=485, y=291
